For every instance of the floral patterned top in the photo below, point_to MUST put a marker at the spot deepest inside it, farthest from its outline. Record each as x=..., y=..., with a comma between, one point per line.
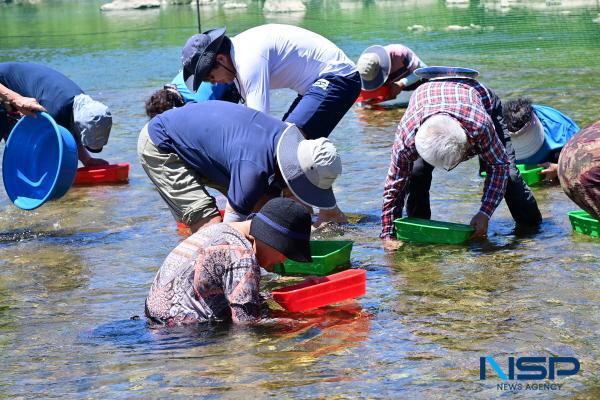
x=213, y=275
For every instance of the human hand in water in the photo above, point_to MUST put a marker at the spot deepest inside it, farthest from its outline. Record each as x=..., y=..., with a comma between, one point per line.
x=333, y=215
x=480, y=223
x=392, y=244
x=550, y=171
x=94, y=162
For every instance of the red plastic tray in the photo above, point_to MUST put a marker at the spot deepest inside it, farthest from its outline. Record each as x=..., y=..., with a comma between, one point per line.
x=183, y=228
x=318, y=292
x=115, y=173
x=375, y=96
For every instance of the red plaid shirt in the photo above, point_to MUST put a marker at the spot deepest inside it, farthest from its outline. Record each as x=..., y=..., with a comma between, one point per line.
x=471, y=104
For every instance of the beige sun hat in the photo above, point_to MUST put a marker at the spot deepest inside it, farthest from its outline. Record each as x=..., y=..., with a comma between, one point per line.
x=374, y=66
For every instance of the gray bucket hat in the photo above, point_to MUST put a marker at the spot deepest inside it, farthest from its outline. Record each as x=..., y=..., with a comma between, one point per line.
x=93, y=121
x=198, y=56
x=309, y=167
x=374, y=66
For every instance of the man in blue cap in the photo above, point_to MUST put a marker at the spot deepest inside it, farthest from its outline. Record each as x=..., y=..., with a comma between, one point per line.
x=176, y=94
x=276, y=56
x=27, y=88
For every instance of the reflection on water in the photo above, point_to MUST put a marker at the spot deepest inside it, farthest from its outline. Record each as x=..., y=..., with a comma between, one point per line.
x=73, y=272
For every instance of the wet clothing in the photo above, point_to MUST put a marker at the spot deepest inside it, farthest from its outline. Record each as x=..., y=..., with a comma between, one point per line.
x=558, y=129
x=480, y=113
x=404, y=62
x=227, y=144
x=277, y=56
x=206, y=91
x=213, y=275
x=579, y=169
x=54, y=91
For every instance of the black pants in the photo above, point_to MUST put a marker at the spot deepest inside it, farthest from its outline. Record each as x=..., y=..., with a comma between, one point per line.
x=518, y=196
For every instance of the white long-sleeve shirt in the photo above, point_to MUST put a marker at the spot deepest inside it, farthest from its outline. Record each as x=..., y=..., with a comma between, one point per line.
x=278, y=56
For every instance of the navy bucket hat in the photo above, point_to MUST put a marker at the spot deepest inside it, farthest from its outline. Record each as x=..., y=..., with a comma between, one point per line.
x=198, y=56
x=284, y=225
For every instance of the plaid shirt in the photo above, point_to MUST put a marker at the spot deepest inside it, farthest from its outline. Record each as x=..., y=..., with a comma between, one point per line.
x=471, y=104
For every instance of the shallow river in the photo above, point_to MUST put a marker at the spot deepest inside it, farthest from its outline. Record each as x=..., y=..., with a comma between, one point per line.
x=73, y=272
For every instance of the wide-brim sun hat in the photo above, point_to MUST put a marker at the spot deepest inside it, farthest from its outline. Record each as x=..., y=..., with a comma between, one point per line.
x=374, y=65
x=198, y=56
x=529, y=139
x=309, y=167
x=284, y=225
x=442, y=72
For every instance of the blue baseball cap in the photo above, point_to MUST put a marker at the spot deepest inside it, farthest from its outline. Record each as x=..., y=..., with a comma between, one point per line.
x=198, y=56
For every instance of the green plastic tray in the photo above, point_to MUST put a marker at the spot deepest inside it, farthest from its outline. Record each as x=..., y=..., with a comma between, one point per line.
x=583, y=222
x=531, y=174
x=429, y=231
x=327, y=256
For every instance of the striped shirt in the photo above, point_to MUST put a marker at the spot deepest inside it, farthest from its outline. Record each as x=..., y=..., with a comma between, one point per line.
x=471, y=104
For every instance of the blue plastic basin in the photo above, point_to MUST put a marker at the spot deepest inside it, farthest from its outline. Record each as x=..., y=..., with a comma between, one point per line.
x=40, y=161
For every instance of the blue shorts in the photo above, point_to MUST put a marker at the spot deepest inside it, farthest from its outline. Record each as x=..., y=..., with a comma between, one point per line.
x=324, y=104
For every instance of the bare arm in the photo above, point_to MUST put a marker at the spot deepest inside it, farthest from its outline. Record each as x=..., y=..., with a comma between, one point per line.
x=13, y=101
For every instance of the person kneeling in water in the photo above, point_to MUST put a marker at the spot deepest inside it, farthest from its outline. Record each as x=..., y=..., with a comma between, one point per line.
x=214, y=275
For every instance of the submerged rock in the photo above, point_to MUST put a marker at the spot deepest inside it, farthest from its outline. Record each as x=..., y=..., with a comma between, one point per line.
x=118, y=5
x=419, y=28
x=284, y=6
x=234, y=5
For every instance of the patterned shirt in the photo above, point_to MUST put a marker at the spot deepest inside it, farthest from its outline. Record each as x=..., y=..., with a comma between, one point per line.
x=213, y=275
x=471, y=104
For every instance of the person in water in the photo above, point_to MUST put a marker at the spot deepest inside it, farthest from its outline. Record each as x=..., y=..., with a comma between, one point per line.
x=392, y=66
x=447, y=122
x=538, y=133
x=214, y=275
x=245, y=154
x=579, y=169
x=177, y=94
x=27, y=88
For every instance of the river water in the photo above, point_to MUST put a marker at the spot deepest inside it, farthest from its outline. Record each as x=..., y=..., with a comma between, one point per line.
x=73, y=272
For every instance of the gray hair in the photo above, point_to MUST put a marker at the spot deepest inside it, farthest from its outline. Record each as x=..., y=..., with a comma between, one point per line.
x=441, y=141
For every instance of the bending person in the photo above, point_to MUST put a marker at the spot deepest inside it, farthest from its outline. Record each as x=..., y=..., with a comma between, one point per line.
x=245, y=154
x=579, y=169
x=447, y=122
x=214, y=275
x=277, y=56
x=538, y=133
x=392, y=66
x=26, y=88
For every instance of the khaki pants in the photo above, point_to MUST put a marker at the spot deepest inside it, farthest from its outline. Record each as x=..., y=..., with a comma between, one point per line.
x=180, y=186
